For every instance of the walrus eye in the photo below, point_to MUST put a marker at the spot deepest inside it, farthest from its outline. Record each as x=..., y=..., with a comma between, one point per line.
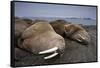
x=66, y=32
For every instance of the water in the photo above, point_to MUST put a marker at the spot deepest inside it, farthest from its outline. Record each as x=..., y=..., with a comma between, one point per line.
x=82, y=21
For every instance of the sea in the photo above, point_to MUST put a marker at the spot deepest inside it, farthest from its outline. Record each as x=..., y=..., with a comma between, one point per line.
x=81, y=21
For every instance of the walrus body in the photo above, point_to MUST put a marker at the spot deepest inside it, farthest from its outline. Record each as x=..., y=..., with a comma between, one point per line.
x=77, y=33
x=71, y=31
x=58, y=26
x=41, y=38
x=20, y=26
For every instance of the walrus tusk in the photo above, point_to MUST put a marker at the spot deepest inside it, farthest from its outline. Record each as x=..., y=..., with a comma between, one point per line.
x=51, y=56
x=82, y=37
x=49, y=50
x=79, y=40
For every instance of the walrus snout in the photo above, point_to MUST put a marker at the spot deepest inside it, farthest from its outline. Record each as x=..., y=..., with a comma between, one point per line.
x=58, y=46
x=77, y=33
x=81, y=37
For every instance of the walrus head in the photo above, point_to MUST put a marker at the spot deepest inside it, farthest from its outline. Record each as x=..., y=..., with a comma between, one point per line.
x=77, y=33
x=40, y=38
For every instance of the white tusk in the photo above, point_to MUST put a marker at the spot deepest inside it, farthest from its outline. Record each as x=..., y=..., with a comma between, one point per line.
x=79, y=40
x=51, y=56
x=82, y=37
x=49, y=50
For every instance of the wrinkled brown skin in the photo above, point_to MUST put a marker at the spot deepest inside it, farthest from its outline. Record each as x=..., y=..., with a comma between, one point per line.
x=41, y=36
x=58, y=26
x=71, y=31
x=76, y=32
x=20, y=26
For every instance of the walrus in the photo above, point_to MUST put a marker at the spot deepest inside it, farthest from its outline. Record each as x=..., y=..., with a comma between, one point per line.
x=28, y=21
x=40, y=38
x=72, y=31
x=58, y=26
x=20, y=26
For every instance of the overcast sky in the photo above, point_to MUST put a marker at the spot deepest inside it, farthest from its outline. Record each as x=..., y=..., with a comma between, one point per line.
x=23, y=9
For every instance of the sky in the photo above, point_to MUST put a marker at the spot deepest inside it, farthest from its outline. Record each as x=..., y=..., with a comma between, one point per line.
x=23, y=9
